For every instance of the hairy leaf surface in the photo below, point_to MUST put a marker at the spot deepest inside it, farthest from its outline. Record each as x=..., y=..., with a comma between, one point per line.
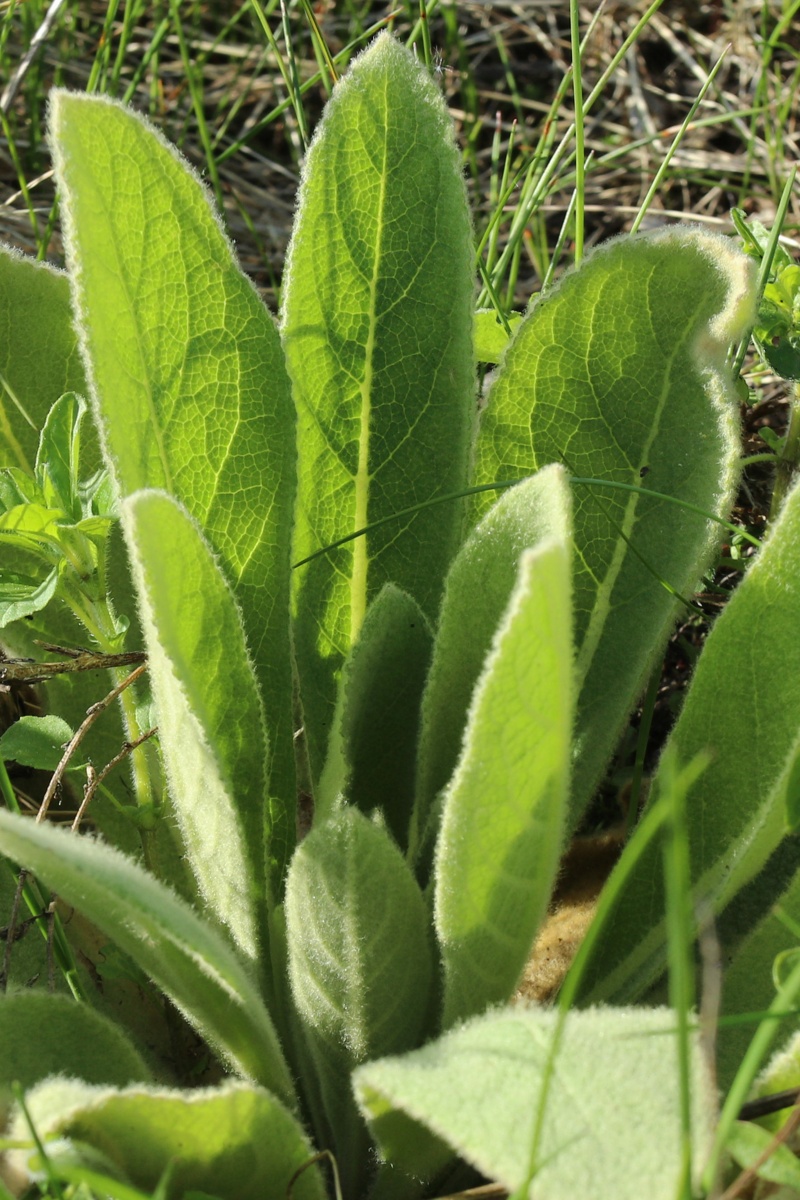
x=619, y=373
x=736, y=817
x=479, y=1088
x=187, y=377
x=503, y=818
x=236, y=1142
x=187, y=958
x=377, y=326
x=359, y=961
x=210, y=715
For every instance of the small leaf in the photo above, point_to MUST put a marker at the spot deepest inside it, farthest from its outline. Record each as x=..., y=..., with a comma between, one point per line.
x=618, y=371
x=504, y=810
x=57, y=459
x=190, y=961
x=359, y=961
x=612, y=1126
x=377, y=327
x=490, y=336
x=747, y=1143
x=236, y=1142
x=210, y=717
x=374, y=739
x=36, y=742
x=21, y=597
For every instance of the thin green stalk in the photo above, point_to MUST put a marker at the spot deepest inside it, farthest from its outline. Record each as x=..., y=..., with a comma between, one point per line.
x=150, y=55
x=676, y=141
x=52, y=1179
x=680, y=936
x=577, y=92
x=645, y=724
x=37, y=901
x=426, y=35
x=766, y=262
x=196, y=92
x=102, y=57
x=20, y=172
x=782, y=1006
x=319, y=41
x=787, y=461
x=294, y=75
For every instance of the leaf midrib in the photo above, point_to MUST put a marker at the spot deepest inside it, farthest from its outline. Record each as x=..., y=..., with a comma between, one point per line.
x=358, y=578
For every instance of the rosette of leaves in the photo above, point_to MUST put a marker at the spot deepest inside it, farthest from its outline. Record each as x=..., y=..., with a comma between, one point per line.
x=463, y=670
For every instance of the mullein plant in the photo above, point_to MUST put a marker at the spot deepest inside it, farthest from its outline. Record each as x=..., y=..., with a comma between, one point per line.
x=307, y=523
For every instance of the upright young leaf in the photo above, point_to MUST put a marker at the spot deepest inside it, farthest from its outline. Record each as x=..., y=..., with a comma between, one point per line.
x=236, y=1142
x=374, y=740
x=359, y=962
x=744, y=699
x=187, y=376
x=503, y=818
x=619, y=372
x=189, y=960
x=39, y=357
x=210, y=715
x=377, y=325
x=477, y=591
x=612, y=1125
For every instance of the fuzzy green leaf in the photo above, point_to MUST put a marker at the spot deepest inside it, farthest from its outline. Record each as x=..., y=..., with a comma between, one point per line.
x=377, y=326
x=612, y=1125
x=210, y=715
x=188, y=382
x=503, y=818
x=491, y=338
x=58, y=455
x=619, y=372
x=43, y=1034
x=192, y=963
x=39, y=357
x=359, y=961
x=373, y=746
x=236, y=1142
x=36, y=742
x=735, y=817
x=478, y=588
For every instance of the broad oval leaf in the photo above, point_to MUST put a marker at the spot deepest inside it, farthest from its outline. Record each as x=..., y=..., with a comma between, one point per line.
x=188, y=382
x=620, y=373
x=377, y=326
x=612, y=1126
x=190, y=961
x=736, y=817
x=504, y=810
x=43, y=1034
x=359, y=962
x=210, y=714
x=235, y=1142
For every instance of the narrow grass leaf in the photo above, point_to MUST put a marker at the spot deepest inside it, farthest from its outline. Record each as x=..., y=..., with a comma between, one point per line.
x=235, y=1142
x=210, y=715
x=504, y=810
x=192, y=963
x=188, y=382
x=619, y=372
x=359, y=962
x=374, y=741
x=747, y=1143
x=377, y=326
x=477, y=592
x=612, y=1126
x=39, y=356
x=736, y=810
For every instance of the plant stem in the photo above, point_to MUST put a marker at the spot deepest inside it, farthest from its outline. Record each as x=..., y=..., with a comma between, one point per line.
x=787, y=463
